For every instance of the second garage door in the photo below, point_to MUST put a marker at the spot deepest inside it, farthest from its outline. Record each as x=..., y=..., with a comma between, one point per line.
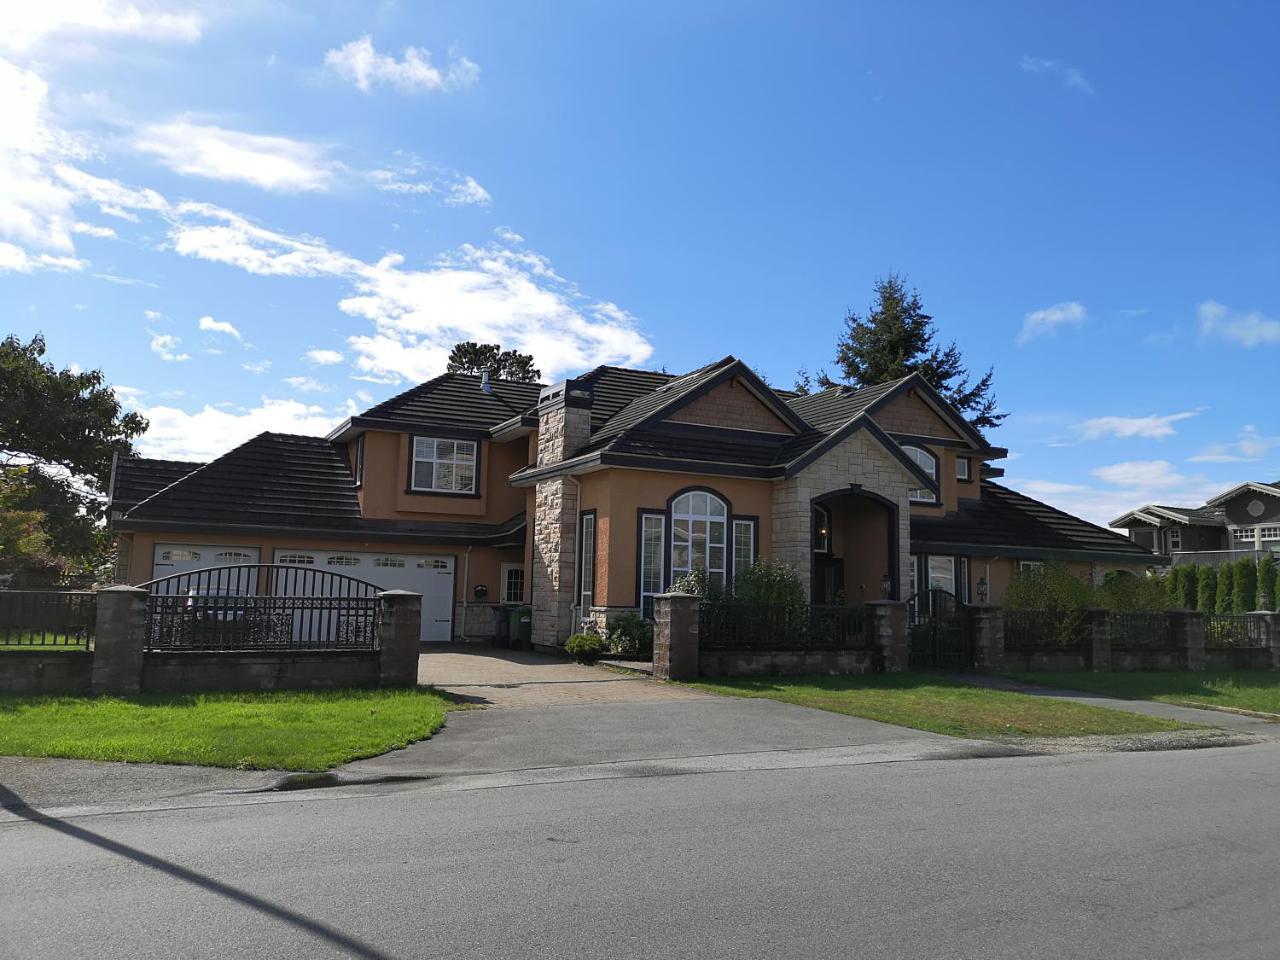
x=430, y=576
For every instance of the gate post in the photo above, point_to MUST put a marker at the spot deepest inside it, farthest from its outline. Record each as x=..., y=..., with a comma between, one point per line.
x=987, y=625
x=1187, y=627
x=119, y=638
x=1269, y=624
x=889, y=632
x=1099, y=639
x=675, y=636
x=399, y=630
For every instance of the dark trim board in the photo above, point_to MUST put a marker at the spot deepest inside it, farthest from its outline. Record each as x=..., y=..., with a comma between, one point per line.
x=513, y=536
x=988, y=551
x=916, y=439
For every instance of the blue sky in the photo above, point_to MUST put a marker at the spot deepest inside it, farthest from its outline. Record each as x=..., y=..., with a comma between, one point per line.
x=265, y=216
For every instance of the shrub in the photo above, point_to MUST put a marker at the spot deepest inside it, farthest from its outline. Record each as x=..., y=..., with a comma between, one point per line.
x=1245, y=586
x=1051, y=587
x=1207, y=598
x=1267, y=583
x=1123, y=592
x=769, y=582
x=585, y=647
x=699, y=584
x=631, y=635
x=1226, y=587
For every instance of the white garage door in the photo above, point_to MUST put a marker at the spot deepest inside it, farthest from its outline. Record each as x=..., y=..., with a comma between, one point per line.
x=430, y=576
x=171, y=558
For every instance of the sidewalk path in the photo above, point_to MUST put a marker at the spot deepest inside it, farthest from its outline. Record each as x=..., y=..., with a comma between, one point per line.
x=1237, y=723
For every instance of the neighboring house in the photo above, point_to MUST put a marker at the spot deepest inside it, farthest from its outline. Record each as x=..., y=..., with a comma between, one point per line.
x=589, y=497
x=1242, y=520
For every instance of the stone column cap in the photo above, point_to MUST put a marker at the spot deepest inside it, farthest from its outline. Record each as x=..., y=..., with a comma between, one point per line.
x=124, y=588
x=398, y=593
x=677, y=593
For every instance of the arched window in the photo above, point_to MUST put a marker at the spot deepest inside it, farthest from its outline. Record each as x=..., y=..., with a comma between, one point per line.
x=927, y=462
x=698, y=527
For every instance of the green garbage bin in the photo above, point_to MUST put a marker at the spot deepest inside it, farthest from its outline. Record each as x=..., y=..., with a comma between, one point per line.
x=520, y=627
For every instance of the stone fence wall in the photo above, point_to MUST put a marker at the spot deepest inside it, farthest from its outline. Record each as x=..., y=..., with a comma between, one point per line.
x=119, y=665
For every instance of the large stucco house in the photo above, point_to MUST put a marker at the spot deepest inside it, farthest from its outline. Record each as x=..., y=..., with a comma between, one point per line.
x=589, y=497
x=1242, y=520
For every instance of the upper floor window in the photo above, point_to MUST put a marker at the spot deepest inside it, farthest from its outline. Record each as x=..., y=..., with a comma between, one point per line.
x=1175, y=538
x=698, y=535
x=927, y=462
x=446, y=466
x=1243, y=533
x=964, y=468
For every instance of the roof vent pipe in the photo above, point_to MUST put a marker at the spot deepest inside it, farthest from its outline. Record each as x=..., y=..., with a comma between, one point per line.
x=485, y=385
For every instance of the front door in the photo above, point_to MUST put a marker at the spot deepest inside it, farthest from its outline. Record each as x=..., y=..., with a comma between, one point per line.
x=828, y=579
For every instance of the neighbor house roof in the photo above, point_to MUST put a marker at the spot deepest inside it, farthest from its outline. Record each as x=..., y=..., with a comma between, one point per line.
x=1270, y=489
x=1006, y=523
x=133, y=479
x=284, y=482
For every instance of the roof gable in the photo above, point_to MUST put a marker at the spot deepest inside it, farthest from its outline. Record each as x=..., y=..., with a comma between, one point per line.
x=732, y=405
x=906, y=412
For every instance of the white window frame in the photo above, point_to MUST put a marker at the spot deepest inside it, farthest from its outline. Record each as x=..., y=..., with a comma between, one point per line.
x=586, y=564
x=690, y=516
x=744, y=536
x=821, y=541
x=507, y=570
x=1025, y=565
x=359, y=471
x=420, y=452
x=964, y=469
x=950, y=563
x=651, y=523
x=1175, y=538
x=928, y=462
x=1243, y=534
x=1270, y=533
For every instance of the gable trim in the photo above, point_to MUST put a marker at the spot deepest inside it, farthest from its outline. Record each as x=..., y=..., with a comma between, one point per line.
x=862, y=421
x=737, y=368
x=941, y=406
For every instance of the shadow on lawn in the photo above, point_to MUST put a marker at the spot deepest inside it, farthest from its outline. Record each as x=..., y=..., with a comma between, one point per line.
x=15, y=804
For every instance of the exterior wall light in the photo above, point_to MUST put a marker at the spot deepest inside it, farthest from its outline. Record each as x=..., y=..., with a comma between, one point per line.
x=983, y=589
x=886, y=586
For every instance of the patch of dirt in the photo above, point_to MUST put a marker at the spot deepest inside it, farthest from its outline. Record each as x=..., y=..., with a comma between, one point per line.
x=1135, y=743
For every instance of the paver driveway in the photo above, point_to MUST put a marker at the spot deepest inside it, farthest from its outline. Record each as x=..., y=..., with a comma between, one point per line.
x=515, y=678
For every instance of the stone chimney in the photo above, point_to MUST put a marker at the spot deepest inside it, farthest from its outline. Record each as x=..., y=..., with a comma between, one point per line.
x=564, y=427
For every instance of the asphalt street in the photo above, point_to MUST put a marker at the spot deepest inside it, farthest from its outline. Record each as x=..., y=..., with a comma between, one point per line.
x=871, y=849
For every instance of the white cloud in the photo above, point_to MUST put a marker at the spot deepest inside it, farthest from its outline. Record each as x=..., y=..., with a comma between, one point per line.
x=1140, y=473
x=359, y=62
x=219, y=326
x=25, y=25
x=166, y=345
x=1071, y=77
x=466, y=192
x=1250, y=445
x=204, y=150
x=1039, y=323
x=507, y=235
x=154, y=315
x=1250, y=329
x=324, y=358
x=92, y=230
x=1151, y=428
x=16, y=259
x=392, y=182
x=257, y=366
x=305, y=384
x=211, y=432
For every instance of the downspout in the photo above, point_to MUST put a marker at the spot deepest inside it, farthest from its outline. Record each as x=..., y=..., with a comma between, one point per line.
x=466, y=591
x=577, y=547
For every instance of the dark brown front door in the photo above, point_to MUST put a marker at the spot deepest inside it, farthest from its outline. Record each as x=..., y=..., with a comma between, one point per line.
x=828, y=579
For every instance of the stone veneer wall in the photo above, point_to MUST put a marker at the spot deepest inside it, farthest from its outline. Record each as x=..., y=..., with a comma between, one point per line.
x=563, y=428
x=858, y=459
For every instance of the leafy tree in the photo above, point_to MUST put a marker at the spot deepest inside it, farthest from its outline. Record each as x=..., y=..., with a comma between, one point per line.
x=1226, y=587
x=1245, y=586
x=23, y=543
x=897, y=338
x=59, y=430
x=1051, y=587
x=1207, y=598
x=476, y=358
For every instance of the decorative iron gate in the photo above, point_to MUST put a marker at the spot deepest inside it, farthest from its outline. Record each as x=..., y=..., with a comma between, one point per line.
x=261, y=606
x=941, y=632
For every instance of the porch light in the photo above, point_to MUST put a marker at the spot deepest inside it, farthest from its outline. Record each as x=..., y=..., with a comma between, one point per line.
x=982, y=589
x=886, y=586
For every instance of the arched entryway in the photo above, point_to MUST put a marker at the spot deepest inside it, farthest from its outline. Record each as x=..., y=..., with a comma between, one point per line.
x=854, y=536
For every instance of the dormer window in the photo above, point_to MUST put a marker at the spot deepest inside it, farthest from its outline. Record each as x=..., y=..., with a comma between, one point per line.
x=927, y=462
x=443, y=466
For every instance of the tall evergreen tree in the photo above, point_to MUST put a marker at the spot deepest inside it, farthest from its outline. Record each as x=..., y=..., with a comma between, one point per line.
x=1267, y=583
x=1207, y=599
x=897, y=338
x=1226, y=587
x=1187, y=589
x=476, y=358
x=1245, y=595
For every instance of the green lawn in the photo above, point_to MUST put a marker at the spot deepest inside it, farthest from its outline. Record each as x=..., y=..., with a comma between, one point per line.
x=41, y=641
x=942, y=706
x=312, y=730
x=1241, y=689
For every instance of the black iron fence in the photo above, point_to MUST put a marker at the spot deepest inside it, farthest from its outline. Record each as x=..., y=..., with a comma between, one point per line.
x=1234, y=632
x=1046, y=629
x=1141, y=631
x=730, y=625
x=247, y=607
x=47, y=618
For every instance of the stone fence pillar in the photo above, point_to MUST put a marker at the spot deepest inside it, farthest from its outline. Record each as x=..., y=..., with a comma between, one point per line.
x=1099, y=640
x=1269, y=624
x=1188, y=629
x=118, y=640
x=888, y=627
x=987, y=623
x=399, y=630
x=675, y=636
